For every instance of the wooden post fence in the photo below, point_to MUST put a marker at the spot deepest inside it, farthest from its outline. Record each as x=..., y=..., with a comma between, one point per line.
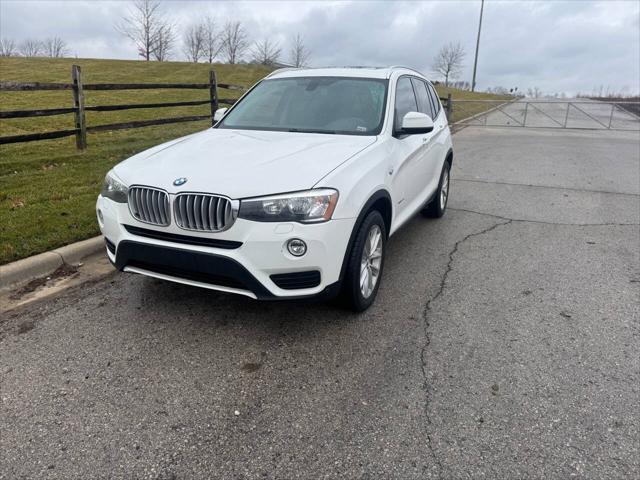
x=78, y=87
x=78, y=104
x=213, y=94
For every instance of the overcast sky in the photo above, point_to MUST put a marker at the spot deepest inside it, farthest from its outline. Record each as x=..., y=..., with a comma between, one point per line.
x=571, y=46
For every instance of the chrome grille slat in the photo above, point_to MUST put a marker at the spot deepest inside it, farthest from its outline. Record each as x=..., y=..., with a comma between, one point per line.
x=149, y=201
x=145, y=212
x=157, y=207
x=136, y=195
x=154, y=206
x=159, y=204
x=149, y=205
x=182, y=202
x=219, y=210
x=165, y=210
x=190, y=222
x=203, y=212
x=133, y=205
x=212, y=213
x=227, y=213
x=197, y=209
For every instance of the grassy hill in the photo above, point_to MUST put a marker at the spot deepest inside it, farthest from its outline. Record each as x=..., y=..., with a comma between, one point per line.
x=48, y=188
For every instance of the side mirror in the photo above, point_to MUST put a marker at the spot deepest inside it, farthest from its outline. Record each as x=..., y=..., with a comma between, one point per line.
x=415, y=122
x=219, y=114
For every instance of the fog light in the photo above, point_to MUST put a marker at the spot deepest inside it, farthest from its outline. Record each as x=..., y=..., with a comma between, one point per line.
x=296, y=247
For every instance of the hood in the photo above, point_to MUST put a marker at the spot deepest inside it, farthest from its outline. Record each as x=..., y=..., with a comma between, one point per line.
x=241, y=163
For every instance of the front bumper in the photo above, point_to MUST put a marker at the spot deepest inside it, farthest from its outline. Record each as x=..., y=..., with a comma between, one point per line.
x=250, y=258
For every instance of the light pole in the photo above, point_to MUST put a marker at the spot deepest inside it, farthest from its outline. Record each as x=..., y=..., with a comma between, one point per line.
x=475, y=62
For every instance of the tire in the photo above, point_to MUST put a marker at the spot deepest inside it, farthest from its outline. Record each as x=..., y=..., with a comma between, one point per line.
x=438, y=204
x=360, y=298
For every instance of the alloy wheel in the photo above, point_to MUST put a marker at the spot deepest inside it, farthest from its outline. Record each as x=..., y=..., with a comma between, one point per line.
x=444, y=189
x=371, y=261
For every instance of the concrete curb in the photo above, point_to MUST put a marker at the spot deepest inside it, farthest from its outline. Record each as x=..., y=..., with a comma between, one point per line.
x=27, y=269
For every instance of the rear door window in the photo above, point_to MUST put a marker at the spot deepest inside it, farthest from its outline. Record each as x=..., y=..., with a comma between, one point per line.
x=422, y=94
x=405, y=100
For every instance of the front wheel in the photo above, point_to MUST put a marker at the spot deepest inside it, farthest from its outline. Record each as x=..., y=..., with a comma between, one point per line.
x=366, y=259
x=438, y=204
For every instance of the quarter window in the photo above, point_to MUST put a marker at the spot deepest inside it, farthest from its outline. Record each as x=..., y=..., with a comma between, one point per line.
x=405, y=100
x=435, y=99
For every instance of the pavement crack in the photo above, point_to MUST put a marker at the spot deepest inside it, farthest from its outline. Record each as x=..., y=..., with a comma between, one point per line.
x=543, y=222
x=427, y=334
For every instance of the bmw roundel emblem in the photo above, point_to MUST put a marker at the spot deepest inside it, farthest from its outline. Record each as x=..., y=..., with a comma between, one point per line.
x=179, y=181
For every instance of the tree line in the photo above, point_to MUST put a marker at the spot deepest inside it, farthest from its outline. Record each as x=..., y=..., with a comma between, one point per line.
x=54, y=47
x=156, y=37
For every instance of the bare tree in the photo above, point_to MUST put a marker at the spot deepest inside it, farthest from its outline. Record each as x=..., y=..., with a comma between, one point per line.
x=265, y=52
x=448, y=61
x=461, y=84
x=165, y=41
x=299, y=54
x=534, y=92
x=31, y=48
x=211, y=41
x=499, y=90
x=194, y=42
x=143, y=25
x=55, y=47
x=234, y=42
x=7, y=48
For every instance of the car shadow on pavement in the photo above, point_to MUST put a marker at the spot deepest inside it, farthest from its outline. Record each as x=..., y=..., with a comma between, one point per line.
x=203, y=309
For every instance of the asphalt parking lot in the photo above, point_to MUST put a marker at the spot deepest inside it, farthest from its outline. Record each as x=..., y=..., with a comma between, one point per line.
x=504, y=344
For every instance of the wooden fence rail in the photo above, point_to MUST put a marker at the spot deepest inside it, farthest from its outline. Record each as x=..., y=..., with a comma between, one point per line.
x=79, y=108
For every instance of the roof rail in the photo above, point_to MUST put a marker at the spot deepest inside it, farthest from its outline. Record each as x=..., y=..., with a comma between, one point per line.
x=280, y=70
x=391, y=68
x=395, y=67
x=370, y=67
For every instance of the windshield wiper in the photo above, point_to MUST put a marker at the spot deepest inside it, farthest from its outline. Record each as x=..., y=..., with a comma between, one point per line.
x=310, y=130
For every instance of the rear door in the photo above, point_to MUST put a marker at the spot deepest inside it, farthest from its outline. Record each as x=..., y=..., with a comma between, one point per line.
x=440, y=134
x=428, y=170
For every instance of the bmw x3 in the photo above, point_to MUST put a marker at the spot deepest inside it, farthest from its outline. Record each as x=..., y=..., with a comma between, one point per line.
x=293, y=193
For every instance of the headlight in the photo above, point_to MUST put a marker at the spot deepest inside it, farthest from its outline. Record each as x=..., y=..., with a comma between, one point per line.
x=114, y=189
x=306, y=207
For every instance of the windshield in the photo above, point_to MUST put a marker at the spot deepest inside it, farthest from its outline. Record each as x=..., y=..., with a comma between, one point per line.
x=338, y=105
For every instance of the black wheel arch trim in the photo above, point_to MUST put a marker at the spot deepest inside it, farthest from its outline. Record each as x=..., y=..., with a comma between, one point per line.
x=449, y=156
x=380, y=194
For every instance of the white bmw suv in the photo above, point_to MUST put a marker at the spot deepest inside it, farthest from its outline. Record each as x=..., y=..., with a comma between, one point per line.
x=292, y=194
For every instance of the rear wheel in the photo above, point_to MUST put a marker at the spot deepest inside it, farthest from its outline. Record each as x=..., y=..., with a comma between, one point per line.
x=438, y=204
x=366, y=260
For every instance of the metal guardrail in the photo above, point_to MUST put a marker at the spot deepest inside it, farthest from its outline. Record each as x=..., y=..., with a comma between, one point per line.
x=570, y=114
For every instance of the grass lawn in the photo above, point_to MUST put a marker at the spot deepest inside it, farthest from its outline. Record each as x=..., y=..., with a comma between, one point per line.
x=469, y=108
x=48, y=188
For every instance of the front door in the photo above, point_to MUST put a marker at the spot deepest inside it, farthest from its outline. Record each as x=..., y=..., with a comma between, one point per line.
x=408, y=155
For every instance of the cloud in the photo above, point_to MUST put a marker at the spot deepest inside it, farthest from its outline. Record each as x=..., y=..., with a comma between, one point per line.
x=556, y=45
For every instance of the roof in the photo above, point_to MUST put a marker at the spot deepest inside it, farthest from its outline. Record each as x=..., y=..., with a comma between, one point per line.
x=364, y=72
